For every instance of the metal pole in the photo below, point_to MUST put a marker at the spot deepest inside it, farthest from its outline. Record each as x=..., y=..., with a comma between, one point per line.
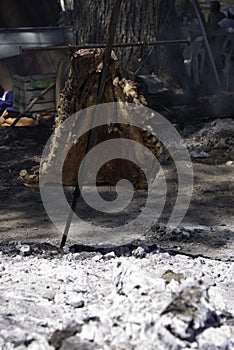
x=197, y=7
x=106, y=61
x=97, y=46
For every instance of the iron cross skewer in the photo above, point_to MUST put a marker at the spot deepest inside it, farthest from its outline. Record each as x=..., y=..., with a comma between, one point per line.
x=107, y=56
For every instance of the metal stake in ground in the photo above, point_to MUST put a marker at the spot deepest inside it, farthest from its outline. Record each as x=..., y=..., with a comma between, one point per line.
x=106, y=61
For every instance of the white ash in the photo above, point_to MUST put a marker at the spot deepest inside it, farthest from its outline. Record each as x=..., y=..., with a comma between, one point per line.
x=160, y=300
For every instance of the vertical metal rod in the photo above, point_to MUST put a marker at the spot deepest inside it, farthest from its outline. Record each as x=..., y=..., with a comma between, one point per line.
x=109, y=45
x=196, y=7
x=106, y=61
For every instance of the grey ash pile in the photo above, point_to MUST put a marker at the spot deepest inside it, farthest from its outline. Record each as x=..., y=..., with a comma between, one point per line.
x=142, y=299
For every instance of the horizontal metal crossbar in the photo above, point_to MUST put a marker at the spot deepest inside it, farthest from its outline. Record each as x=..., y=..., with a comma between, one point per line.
x=118, y=45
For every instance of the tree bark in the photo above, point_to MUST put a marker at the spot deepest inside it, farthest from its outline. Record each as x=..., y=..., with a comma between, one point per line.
x=139, y=21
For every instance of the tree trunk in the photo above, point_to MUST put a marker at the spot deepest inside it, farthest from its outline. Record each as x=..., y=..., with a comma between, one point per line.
x=138, y=21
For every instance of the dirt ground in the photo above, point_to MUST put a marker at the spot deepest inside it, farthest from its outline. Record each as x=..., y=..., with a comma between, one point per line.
x=208, y=226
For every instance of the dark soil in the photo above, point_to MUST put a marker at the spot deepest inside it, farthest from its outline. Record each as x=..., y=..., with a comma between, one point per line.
x=23, y=217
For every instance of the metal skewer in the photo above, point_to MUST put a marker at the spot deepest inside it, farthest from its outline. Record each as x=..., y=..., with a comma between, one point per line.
x=107, y=56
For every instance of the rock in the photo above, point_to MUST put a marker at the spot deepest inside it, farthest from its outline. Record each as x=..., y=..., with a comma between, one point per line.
x=53, y=252
x=139, y=253
x=76, y=303
x=145, y=247
x=123, y=251
x=128, y=278
x=75, y=343
x=25, y=249
x=190, y=313
x=201, y=154
x=60, y=335
x=109, y=256
x=230, y=162
x=49, y=295
x=170, y=275
x=66, y=249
